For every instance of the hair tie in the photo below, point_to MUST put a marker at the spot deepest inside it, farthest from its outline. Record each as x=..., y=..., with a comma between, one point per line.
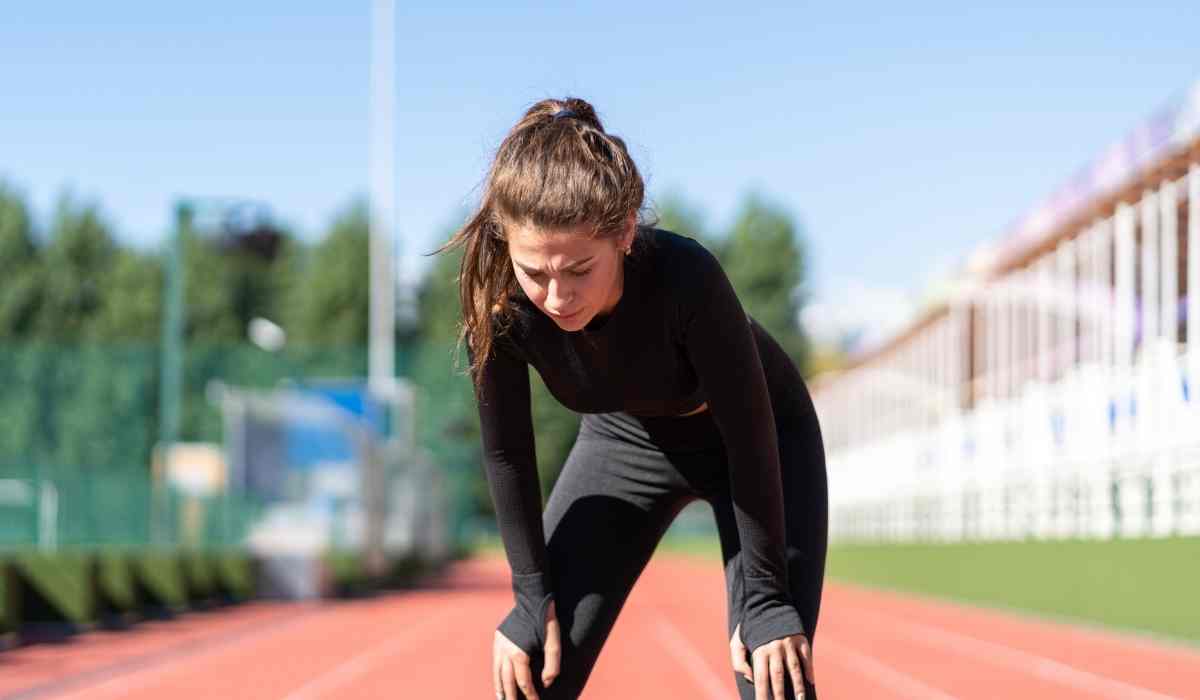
x=564, y=113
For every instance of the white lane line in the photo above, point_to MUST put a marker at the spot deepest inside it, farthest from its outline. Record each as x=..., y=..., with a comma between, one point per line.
x=881, y=673
x=693, y=663
x=363, y=662
x=1028, y=662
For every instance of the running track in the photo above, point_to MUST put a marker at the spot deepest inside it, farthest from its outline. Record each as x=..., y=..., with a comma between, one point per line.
x=435, y=642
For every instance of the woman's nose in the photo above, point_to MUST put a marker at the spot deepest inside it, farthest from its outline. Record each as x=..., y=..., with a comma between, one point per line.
x=557, y=296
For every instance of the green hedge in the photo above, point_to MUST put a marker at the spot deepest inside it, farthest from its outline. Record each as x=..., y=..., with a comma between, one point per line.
x=235, y=574
x=114, y=579
x=346, y=571
x=63, y=579
x=7, y=613
x=79, y=584
x=160, y=573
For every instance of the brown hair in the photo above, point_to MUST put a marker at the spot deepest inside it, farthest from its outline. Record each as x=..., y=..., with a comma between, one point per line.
x=557, y=168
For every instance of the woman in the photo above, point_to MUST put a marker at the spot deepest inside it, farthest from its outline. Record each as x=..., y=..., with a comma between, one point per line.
x=683, y=397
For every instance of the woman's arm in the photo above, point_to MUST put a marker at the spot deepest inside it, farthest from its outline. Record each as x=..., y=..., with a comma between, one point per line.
x=511, y=466
x=721, y=347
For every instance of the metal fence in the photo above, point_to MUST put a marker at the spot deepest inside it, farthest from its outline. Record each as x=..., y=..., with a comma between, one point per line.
x=49, y=507
x=1098, y=454
x=80, y=462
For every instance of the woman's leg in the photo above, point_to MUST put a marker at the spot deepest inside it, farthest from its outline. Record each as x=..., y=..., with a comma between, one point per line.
x=806, y=517
x=608, y=510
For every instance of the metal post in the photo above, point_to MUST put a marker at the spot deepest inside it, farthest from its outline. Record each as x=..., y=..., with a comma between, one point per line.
x=1104, y=287
x=993, y=344
x=1004, y=337
x=171, y=384
x=1146, y=365
x=1045, y=351
x=1193, y=282
x=1095, y=297
x=1064, y=288
x=1149, y=287
x=172, y=329
x=1126, y=262
x=1123, y=333
x=1168, y=222
x=381, y=355
x=1085, y=257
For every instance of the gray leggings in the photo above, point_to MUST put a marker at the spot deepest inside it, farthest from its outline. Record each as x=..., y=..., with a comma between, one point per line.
x=621, y=487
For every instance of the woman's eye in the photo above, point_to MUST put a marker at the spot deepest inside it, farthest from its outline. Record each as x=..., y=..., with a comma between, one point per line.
x=580, y=273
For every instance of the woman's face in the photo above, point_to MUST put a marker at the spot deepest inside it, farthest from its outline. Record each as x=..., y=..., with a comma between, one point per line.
x=571, y=276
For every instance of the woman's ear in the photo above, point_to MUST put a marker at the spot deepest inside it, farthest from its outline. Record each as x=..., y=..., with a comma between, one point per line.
x=630, y=230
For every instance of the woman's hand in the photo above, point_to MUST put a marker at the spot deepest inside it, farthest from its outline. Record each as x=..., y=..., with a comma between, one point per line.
x=510, y=663
x=771, y=662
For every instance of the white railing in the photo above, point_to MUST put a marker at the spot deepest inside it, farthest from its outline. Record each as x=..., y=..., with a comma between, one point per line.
x=1080, y=368
x=1093, y=455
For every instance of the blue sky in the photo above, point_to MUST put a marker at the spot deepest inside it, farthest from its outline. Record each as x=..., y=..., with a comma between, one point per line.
x=901, y=135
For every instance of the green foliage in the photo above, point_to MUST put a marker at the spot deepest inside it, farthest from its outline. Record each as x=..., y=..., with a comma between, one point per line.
x=20, y=267
x=20, y=301
x=438, y=301
x=78, y=261
x=210, y=289
x=161, y=575
x=62, y=580
x=332, y=305
x=447, y=419
x=765, y=262
x=114, y=578
x=16, y=231
x=133, y=300
x=675, y=213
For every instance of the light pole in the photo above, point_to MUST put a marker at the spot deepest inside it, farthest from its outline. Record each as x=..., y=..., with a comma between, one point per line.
x=381, y=347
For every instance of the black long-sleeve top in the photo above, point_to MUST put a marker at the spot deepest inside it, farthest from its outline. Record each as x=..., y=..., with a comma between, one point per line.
x=677, y=338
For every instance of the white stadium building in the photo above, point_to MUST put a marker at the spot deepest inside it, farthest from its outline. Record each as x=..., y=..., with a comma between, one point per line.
x=1051, y=392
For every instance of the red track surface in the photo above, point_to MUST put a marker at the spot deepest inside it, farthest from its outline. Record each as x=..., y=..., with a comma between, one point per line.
x=669, y=643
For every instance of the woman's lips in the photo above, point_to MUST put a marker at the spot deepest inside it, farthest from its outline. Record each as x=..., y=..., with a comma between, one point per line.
x=566, y=317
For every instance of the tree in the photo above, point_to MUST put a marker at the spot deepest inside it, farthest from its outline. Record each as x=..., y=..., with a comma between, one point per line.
x=439, y=308
x=133, y=301
x=17, y=246
x=78, y=262
x=208, y=294
x=675, y=213
x=764, y=259
x=20, y=267
x=332, y=304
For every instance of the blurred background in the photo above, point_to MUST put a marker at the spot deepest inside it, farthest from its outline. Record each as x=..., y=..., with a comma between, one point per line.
x=228, y=364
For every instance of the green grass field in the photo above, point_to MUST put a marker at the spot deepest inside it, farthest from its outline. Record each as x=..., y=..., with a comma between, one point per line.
x=1146, y=586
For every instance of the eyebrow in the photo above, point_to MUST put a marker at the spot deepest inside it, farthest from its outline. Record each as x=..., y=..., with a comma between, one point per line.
x=577, y=263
